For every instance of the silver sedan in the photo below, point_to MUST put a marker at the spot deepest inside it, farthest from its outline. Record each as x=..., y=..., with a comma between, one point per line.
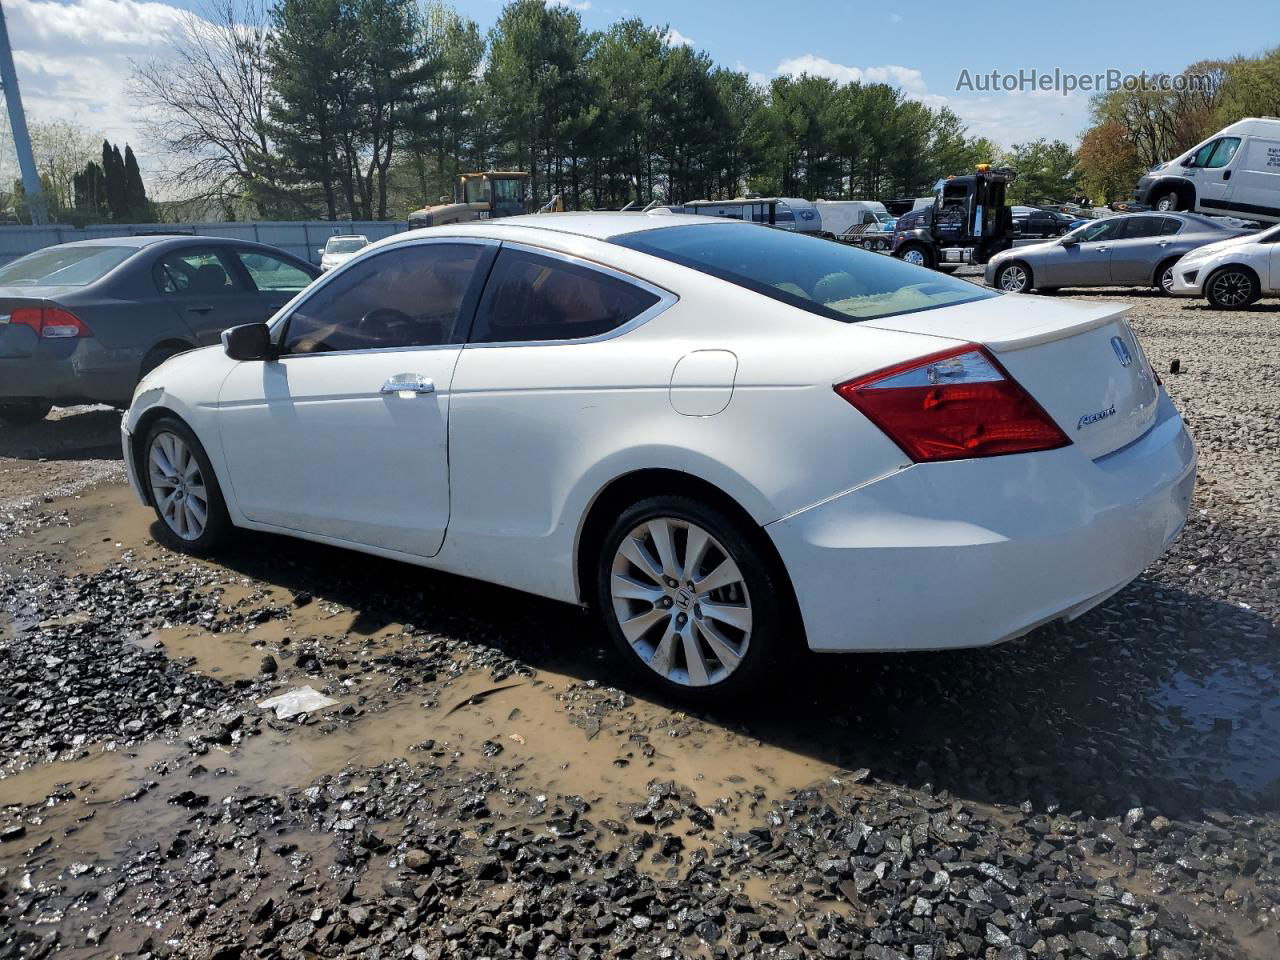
x=1130, y=250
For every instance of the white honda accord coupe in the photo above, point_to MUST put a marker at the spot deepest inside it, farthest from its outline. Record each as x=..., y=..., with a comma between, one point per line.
x=729, y=440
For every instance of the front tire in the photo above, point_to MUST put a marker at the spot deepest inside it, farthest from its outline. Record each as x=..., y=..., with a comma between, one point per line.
x=23, y=413
x=915, y=253
x=1232, y=288
x=183, y=489
x=691, y=598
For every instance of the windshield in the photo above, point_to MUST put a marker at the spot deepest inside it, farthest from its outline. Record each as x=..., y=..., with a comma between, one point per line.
x=345, y=244
x=831, y=279
x=67, y=266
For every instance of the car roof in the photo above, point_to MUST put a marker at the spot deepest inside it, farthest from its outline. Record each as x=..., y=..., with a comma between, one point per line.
x=144, y=240
x=598, y=226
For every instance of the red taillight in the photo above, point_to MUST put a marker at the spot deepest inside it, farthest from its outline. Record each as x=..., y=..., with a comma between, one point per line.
x=50, y=322
x=954, y=405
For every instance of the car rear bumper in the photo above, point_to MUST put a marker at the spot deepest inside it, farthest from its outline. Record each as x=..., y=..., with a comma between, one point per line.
x=64, y=371
x=974, y=552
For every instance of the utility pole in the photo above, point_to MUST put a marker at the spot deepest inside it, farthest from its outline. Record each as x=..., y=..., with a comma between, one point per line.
x=18, y=123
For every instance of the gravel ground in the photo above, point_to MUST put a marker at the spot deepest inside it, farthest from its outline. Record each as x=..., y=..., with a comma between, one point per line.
x=1108, y=788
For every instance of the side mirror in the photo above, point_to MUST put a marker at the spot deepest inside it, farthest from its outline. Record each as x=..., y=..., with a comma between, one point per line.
x=1069, y=241
x=320, y=251
x=250, y=341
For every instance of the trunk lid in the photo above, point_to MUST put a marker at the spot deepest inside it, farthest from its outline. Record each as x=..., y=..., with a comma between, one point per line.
x=1080, y=361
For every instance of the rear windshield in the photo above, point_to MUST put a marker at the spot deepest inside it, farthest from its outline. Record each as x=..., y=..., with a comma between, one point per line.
x=63, y=266
x=821, y=276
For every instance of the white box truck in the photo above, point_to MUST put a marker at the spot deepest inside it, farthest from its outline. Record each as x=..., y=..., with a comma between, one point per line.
x=1236, y=172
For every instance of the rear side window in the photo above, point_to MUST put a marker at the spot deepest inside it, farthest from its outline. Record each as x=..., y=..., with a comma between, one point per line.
x=1170, y=226
x=533, y=298
x=270, y=273
x=1138, y=228
x=197, y=271
x=831, y=279
x=64, y=266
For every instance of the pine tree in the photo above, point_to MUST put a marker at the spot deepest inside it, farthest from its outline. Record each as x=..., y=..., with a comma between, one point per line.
x=114, y=176
x=139, y=207
x=90, y=187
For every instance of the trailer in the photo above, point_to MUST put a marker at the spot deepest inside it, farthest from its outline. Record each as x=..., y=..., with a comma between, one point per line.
x=863, y=223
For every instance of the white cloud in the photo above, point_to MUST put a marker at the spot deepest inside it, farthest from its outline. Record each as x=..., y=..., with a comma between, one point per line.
x=675, y=38
x=583, y=5
x=907, y=78
x=1006, y=118
x=73, y=60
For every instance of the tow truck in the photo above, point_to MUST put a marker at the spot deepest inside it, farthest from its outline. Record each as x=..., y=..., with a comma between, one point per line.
x=967, y=223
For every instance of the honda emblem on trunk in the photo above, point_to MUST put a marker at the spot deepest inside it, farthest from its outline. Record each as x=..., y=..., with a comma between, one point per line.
x=1122, y=352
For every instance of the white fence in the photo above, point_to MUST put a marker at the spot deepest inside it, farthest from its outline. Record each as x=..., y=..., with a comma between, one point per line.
x=302, y=238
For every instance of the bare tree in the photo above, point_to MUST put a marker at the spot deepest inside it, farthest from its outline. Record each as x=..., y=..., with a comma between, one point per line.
x=205, y=103
x=61, y=149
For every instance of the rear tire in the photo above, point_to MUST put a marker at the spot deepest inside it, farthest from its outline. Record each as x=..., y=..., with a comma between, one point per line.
x=23, y=413
x=1166, y=202
x=692, y=598
x=183, y=489
x=1232, y=288
x=156, y=356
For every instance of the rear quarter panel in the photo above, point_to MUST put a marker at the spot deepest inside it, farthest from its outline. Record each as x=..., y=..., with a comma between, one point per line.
x=537, y=432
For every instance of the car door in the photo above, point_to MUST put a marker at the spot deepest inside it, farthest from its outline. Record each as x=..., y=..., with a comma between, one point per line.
x=345, y=434
x=205, y=286
x=1135, y=254
x=1087, y=262
x=274, y=279
x=1211, y=169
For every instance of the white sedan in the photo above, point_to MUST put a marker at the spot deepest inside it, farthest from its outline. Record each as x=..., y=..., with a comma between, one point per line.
x=728, y=440
x=1231, y=274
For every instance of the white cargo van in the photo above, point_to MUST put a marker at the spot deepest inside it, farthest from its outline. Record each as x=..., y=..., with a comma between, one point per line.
x=1236, y=171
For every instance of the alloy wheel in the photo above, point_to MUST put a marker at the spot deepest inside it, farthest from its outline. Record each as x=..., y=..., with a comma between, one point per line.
x=681, y=602
x=914, y=256
x=178, y=485
x=1232, y=289
x=1166, y=280
x=1013, y=279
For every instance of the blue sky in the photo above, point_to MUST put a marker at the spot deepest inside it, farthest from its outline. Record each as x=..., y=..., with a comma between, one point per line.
x=73, y=56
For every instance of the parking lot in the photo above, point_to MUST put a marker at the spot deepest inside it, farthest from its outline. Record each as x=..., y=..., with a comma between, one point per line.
x=482, y=786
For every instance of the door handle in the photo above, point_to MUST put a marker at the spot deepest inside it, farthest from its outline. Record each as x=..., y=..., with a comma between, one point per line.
x=1226, y=174
x=1164, y=243
x=203, y=308
x=408, y=385
x=1102, y=249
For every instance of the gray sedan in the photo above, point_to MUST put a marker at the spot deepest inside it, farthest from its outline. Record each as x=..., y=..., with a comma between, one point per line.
x=82, y=322
x=1130, y=250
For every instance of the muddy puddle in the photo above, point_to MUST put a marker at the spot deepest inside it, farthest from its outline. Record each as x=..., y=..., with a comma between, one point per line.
x=1236, y=711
